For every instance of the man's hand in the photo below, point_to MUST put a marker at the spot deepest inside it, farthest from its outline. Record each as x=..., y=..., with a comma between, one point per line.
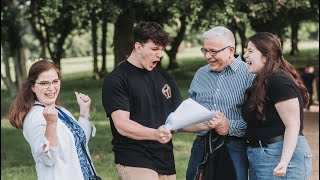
x=212, y=123
x=163, y=135
x=221, y=123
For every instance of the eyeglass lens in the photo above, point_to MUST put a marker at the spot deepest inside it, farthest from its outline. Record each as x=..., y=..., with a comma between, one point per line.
x=46, y=84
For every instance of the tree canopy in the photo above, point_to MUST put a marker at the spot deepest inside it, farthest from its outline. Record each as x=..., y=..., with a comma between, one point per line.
x=53, y=23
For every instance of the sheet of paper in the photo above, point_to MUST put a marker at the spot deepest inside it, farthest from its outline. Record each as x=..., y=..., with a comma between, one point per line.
x=188, y=113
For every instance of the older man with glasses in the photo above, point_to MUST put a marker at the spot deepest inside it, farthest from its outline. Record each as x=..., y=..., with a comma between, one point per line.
x=220, y=86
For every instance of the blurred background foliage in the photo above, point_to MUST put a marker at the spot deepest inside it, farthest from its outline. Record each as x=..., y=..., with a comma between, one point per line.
x=88, y=38
x=57, y=29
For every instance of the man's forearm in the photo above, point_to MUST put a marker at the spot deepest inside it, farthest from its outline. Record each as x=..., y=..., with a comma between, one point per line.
x=196, y=128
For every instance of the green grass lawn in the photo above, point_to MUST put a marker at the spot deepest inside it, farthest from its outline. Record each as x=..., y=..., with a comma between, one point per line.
x=16, y=159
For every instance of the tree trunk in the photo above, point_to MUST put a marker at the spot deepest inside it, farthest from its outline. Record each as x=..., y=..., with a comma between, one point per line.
x=94, y=23
x=43, y=53
x=294, y=37
x=57, y=52
x=11, y=42
x=20, y=65
x=281, y=41
x=38, y=34
x=123, y=36
x=56, y=58
x=172, y=53
x=7, y=80
x=243, y=39
x=36, y=26
x=104, y=28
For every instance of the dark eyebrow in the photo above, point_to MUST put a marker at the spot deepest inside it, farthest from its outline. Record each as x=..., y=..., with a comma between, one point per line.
x=52, y=80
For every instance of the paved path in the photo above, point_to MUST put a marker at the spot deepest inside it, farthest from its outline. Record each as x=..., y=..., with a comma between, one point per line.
x=311, y=131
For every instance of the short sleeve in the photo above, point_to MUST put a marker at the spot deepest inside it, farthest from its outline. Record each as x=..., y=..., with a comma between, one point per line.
x=192, y=89
x=115, y=94
x=176, y=94
x=281, y=88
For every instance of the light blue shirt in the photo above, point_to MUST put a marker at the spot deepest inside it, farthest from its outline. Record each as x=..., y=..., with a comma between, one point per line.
x=222, y=91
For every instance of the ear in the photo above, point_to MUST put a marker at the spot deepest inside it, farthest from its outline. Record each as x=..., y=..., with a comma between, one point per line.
x=32, y=88
x=264, y=60
x=232, y=49
x=137, y=47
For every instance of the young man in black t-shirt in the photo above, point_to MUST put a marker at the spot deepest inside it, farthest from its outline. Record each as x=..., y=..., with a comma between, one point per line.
x=138, y=97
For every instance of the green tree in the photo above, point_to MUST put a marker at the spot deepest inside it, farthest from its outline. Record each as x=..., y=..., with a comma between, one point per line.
x=108, y=13
x=178, y=13
x=183, y=13
x=123, y=31
x=104, y=11
x=54, y=21
x=93, y=8
x=275, y=16
x=229, y=13
x=12, y=32
x=297, y=12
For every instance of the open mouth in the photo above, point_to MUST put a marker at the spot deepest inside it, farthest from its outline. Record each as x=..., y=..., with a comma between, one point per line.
x=154, y=63
x=51, y=95
x=212, y=61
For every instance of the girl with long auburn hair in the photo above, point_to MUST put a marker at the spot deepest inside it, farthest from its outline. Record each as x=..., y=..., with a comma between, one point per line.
x=273, y=109
x=58, y=142
x=26, y=97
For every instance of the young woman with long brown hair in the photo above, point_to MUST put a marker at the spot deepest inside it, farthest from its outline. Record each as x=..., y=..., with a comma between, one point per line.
x=273, y=110
x=59, y=143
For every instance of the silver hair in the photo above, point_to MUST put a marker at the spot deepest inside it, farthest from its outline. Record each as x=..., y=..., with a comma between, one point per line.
x=221, y=32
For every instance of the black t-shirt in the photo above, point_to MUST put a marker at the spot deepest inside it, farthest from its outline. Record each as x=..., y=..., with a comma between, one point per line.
x=145, y=95
x=281, y=87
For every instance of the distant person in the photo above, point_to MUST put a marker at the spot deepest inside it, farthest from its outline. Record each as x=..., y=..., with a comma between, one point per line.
x=273, y=110
x=220, y=86
x=59, y=143
x=137, y=97
x=309, y=78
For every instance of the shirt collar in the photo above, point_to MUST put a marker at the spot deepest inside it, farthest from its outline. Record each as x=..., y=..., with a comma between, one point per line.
x=37, y=102
x=236, y=64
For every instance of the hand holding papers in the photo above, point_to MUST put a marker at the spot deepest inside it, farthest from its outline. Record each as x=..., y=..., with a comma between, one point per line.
x=163, y=135
x=188, y=113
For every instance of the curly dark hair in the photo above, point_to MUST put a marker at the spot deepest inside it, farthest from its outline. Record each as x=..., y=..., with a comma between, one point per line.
x=270, y=47
x=151, y=31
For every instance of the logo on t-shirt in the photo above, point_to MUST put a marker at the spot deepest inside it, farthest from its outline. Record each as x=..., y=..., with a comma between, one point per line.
x=166, y=91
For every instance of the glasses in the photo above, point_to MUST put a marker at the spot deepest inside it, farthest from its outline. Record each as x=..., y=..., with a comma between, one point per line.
x=212, y=52
x=46, y=84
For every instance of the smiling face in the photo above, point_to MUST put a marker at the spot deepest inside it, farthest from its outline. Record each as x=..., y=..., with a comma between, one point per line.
x=150, y=55
x=47, y=96
x=254, y=59
x=222, y=59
